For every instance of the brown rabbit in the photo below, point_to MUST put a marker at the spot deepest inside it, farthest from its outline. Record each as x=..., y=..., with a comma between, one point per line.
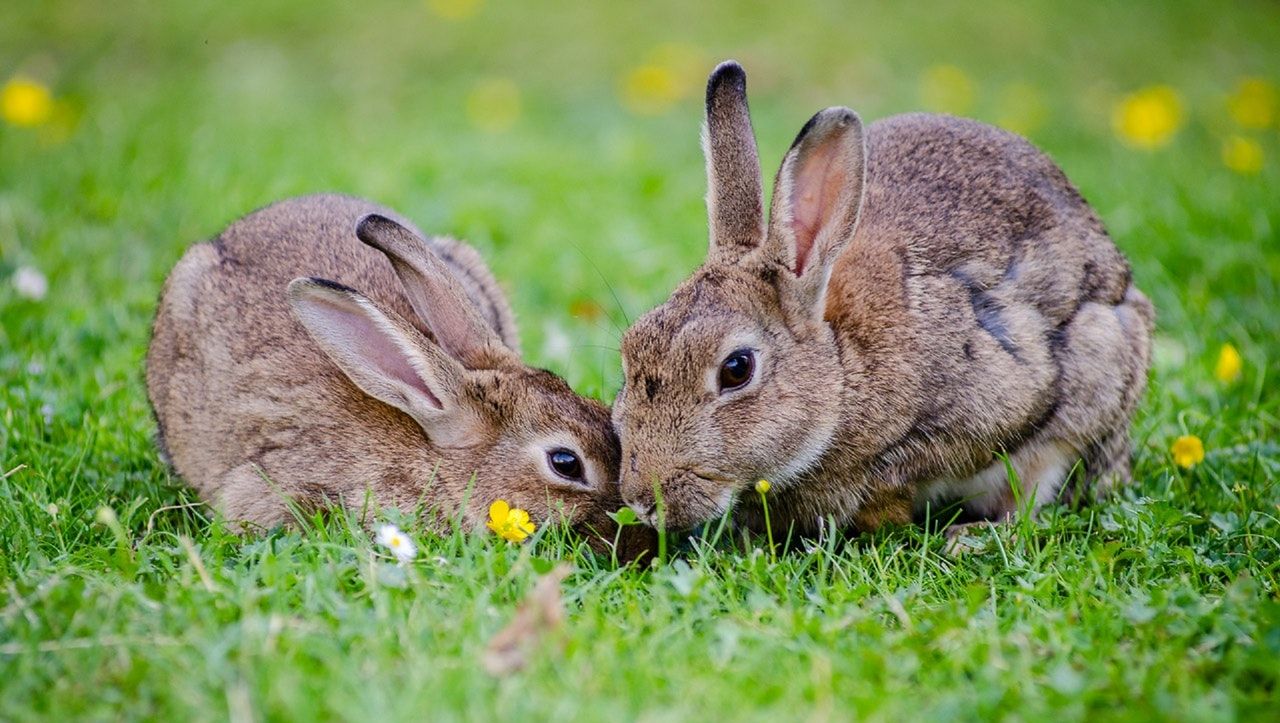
x=919, y=303
x=269, y=388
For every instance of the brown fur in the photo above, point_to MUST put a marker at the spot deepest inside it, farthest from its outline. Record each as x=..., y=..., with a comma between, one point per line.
x=979, y=308
x=254, y=414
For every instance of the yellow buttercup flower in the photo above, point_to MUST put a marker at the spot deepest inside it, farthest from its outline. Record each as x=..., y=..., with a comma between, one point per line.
x=1188, y=451
x=494, y=104
x=1254, y=103
x=763, y=486
x=1149, y=118
x=947, y=89
x=25, y=103
x=511, y=524
x=1242, y=155
x=1229, y=365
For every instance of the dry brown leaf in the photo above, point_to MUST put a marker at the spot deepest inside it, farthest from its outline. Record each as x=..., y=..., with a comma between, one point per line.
x=540, y=614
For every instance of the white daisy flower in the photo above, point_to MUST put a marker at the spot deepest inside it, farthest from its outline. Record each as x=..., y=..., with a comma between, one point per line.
x=400, y=544
x=30, y=283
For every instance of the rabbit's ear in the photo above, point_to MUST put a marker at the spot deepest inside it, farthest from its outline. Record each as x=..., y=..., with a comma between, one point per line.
x=436, y=295
x=735, y=196
x=385, y=357
x=816, y=201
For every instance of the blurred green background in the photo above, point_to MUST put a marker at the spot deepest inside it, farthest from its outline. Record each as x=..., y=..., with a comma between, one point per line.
x=562, y=140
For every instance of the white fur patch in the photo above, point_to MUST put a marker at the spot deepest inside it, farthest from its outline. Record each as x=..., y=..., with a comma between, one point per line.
x=1041, y=469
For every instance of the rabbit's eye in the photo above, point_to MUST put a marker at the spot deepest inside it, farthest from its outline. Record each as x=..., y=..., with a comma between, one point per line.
x=736, y=370
x=565, y=463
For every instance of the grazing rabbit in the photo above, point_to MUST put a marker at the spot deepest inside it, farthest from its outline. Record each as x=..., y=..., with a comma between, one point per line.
x=918, y=304
x=270, y=388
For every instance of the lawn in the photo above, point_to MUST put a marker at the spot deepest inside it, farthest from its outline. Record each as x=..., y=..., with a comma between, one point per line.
x=562, y=140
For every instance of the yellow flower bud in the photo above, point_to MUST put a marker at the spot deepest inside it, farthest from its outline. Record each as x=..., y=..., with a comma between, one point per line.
x=1229, y=365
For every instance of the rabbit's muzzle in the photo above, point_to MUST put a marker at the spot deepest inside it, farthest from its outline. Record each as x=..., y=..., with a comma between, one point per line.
x=680, y=500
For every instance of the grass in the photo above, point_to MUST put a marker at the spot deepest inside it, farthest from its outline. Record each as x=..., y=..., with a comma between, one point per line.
x=1162, y=603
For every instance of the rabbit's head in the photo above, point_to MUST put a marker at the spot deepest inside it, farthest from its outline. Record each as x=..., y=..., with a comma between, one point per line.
x=737, y=376
x=494, y=428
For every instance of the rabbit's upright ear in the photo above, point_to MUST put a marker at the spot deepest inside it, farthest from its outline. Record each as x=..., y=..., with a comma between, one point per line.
x=735, y=195
x=386, y=358
x=436, y=295
x=816, y=201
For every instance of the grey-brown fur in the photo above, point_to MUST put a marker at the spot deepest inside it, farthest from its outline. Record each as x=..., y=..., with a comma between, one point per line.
x=254, y=413
x=979, y=308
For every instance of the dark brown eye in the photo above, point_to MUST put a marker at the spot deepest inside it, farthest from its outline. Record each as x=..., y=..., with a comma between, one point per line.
x=566, y=464
x=736, y=369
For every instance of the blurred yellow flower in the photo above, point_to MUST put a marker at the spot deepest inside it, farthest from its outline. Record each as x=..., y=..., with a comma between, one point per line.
x=650, y=90
x=1188, y=451
x=494, y=104
x=1148, y=118
x=763, y=486
x=25, y=102
x=946, y=89
x=454, y=9
x=1229, y=365
x=669, y=74
x=1242, y=155
x=1253, y=104
x=1022, y=109
x=511, y=524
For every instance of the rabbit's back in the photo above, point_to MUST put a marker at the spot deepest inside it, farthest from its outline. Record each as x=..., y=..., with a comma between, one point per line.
x=315, y=236
x=988, y=299
x=955, y=197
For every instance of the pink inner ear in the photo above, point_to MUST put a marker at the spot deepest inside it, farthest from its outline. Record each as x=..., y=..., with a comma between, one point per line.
x=816, y=186
x=362, y=340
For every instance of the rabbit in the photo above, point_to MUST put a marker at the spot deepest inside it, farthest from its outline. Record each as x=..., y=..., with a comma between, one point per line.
x=926, y=299
x=275, y=381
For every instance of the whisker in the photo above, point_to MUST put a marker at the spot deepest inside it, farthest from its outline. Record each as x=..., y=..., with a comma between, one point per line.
x=612, y=292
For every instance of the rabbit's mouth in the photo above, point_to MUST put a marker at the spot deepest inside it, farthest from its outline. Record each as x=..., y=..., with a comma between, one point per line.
x=690, y=497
